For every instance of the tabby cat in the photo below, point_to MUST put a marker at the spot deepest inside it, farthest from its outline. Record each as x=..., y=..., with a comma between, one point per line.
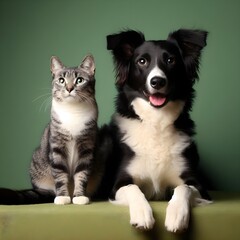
x=61, y=165
x=65, y=155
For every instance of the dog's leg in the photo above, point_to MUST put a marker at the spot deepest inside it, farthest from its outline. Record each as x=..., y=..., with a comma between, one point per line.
x=140, y=211
x=178, y=210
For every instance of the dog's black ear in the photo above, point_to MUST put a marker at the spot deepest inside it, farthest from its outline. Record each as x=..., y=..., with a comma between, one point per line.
x=123, y=45
x=190, y=42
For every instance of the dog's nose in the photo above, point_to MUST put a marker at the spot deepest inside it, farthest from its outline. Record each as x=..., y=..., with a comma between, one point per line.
x=158, y=82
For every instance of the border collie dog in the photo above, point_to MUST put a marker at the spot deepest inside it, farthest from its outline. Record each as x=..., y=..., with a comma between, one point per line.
x=151, y=151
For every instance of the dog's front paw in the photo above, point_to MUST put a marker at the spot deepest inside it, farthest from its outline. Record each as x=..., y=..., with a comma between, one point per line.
x=141, y=216
x=177, y=216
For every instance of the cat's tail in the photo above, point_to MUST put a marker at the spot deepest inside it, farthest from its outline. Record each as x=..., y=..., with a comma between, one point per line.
x=31, y=196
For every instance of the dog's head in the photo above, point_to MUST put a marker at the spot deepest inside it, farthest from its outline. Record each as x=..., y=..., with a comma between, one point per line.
x=159, y=71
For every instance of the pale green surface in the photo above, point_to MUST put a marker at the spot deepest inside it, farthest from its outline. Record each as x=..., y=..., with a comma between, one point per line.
x=105, y=221
x=33, y=31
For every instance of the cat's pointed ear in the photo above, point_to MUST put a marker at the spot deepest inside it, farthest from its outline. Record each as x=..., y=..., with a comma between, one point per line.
x=56, y=64
x=88, y=64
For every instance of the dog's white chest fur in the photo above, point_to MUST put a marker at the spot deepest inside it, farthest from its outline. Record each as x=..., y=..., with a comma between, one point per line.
x=158, y=147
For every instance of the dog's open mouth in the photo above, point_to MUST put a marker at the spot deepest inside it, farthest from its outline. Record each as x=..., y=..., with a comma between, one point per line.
x=157, y=99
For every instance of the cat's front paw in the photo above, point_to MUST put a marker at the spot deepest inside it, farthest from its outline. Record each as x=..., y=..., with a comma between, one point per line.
x=62, y=200
x=81, y=200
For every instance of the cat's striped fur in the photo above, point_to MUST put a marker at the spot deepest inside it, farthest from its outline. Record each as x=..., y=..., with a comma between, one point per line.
x=61, y=165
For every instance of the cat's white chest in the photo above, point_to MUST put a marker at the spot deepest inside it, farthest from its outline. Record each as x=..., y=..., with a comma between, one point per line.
x=74, y=123
x=73, y=117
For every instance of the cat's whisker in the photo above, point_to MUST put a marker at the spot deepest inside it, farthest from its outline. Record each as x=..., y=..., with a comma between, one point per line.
x=86, y=98
x=46, y=103
x=41, y=96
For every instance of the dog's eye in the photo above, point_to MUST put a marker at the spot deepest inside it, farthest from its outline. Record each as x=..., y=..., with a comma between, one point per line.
x=170, y=60
x=142, y=62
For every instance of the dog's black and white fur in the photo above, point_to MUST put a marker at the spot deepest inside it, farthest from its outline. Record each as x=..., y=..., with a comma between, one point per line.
x=151, y=149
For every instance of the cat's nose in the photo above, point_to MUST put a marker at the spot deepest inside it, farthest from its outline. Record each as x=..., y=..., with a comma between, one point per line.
x=69, y=88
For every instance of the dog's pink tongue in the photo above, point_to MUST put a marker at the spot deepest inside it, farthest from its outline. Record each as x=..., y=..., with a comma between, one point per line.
x=157, y=100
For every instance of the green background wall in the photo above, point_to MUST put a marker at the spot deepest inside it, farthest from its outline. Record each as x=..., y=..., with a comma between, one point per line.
x=32, y=31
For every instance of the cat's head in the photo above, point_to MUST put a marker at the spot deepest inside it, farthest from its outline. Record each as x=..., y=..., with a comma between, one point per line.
x=73, y=84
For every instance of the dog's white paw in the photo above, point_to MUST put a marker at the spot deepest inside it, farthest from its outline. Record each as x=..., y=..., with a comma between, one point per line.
x=62, y=200
x=81, y=200
x=141, y=216
x=177, y=216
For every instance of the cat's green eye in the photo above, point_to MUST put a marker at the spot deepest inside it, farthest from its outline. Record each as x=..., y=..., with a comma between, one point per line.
x=80, y=80
x=61, y=80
